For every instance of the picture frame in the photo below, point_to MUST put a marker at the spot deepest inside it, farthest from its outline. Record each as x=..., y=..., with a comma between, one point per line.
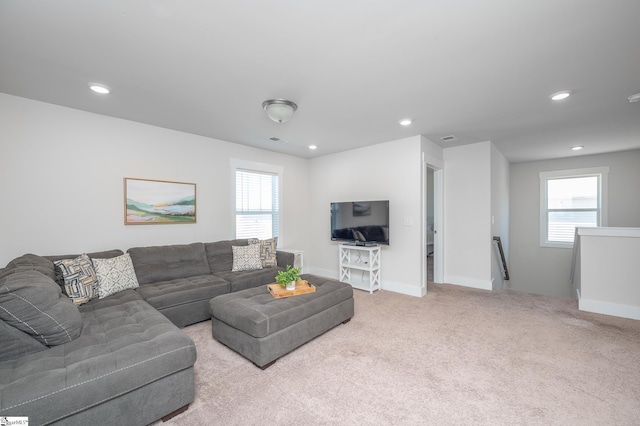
x=158, y=202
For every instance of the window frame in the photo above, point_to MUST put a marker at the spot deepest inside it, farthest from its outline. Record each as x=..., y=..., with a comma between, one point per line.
x=603, y=175
x=251, y=166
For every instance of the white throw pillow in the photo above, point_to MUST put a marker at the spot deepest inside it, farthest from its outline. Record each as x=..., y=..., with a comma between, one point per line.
x=246, y=258
x=115, y=275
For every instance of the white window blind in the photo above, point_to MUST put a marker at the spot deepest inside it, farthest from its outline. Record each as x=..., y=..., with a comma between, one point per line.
x=569, y=200
x=257, y=204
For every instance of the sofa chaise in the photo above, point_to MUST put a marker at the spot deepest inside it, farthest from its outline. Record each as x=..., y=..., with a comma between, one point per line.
x=121, y=358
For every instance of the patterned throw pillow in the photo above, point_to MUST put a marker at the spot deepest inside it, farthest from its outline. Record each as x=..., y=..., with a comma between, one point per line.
x=79, y=278
x=268, y=251
x=246, y=258
x=115, y=275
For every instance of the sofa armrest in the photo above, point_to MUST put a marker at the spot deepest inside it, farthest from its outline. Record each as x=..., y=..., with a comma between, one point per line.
x=284, y=258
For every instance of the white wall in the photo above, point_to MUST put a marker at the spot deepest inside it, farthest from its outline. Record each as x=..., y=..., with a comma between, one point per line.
x=61, y=181
x=388, y=171
x=499, y=214
x=609, y=281
x=467, y=210
x=546, y=270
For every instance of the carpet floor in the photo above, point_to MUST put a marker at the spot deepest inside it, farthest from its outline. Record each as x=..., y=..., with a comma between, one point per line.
x=457, y=356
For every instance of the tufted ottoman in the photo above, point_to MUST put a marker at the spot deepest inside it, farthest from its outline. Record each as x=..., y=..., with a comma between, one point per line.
x=262, y=328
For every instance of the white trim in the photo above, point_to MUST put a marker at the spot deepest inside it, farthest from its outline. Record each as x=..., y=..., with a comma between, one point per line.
x=402, y=288
x=609, y=232
x=575, y=172
x=607, y=308
x=469, y=282
x=603, y=198
x=237, y=164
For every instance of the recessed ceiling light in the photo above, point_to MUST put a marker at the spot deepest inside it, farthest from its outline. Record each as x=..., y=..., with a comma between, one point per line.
x=558, y=96
x=577, y=148
x=313, y=147
x=405, y=121
x=635, y=97
x=99, y=88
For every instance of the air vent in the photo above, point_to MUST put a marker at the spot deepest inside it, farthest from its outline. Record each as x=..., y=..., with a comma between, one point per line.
x=449, y=138
x=278, y=140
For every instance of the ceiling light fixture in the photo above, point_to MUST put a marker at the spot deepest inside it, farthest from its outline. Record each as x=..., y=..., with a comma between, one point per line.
x=634, y=98
x=99, y=88
x=577, y=148
x=312, y=147
x=405, y=121
x=558, y=96
x=279, y=110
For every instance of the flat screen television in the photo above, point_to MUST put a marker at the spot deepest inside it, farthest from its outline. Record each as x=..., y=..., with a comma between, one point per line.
x=360, y=222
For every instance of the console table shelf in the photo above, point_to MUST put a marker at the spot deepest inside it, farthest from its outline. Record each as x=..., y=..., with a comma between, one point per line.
x=365, y=259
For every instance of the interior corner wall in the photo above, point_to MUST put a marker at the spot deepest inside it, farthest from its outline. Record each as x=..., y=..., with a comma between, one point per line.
x=499, y=215
x=467, y=215
x=547, y=270
x=61, y=181
x=387, y=171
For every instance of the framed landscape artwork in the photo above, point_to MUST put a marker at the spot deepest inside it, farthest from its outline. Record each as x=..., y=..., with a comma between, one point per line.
x=155, y=202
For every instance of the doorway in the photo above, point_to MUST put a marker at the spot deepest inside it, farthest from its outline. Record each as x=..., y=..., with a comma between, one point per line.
x=433, y=216
x=430, y=227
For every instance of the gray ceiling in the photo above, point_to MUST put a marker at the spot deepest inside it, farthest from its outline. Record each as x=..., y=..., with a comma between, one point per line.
x=479, y=70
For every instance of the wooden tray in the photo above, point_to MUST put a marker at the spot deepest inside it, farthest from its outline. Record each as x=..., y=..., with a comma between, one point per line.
x=302, y=287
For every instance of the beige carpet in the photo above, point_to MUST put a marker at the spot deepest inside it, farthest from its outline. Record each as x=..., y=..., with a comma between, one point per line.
x=457, y=356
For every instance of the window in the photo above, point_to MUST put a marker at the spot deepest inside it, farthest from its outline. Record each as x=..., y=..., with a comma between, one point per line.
x=257, y=203
x=571, y=199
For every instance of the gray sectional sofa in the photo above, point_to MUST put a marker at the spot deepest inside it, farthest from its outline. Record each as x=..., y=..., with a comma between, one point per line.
x=120, y=359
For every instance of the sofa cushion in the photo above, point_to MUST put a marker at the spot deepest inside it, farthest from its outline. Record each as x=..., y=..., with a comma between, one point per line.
x=30, y=262
x=162, y=263
x=115, y=275
x=105, y=254
x=220, y=254
x=125, y=344
x=165, y=294
x=247, y=279
x=34, y=304
x=246, y=258
x=79, y=277
x=16, y=343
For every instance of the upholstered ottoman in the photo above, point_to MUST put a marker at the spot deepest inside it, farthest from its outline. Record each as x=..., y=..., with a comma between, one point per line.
x=262, y=328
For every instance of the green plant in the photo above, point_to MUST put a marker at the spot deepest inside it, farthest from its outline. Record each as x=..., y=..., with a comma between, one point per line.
x=289, y=274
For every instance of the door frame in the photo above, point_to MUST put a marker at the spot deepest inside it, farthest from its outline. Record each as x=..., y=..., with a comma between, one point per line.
x=438, y=221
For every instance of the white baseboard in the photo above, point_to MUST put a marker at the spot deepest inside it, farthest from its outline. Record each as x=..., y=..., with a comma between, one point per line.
x=608, y=308
x=469, y=282
x=402, y=288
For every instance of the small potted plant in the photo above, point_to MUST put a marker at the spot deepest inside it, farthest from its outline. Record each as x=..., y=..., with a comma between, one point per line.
x=288, y=277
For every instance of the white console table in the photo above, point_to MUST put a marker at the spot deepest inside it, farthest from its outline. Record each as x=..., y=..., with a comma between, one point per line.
x=360, y=266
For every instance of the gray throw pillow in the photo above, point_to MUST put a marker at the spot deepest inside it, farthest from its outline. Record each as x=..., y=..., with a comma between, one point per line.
x=34, y=304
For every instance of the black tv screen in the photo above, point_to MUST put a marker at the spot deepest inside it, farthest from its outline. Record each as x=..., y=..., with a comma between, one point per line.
x=360, y=222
